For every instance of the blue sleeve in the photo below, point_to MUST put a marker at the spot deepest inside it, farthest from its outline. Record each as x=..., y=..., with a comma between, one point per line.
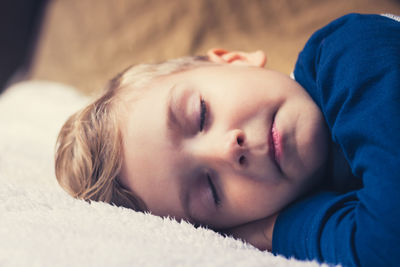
x=351, y=68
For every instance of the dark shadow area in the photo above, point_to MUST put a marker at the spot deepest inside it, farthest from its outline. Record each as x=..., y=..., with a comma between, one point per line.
x=20, y=22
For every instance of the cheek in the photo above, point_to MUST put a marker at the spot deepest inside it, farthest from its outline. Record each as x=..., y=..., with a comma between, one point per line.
x=250, y=200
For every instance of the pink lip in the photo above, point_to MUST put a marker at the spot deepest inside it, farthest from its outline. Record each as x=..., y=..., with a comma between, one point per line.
x=275, y=142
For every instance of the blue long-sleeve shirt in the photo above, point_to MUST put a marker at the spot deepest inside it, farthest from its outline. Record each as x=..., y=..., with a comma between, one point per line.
x=351, y=69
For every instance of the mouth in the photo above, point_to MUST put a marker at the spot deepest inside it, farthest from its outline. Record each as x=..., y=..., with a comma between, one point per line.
x=275, y=144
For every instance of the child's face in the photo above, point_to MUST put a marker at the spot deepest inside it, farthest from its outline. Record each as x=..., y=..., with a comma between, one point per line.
x=261, y=144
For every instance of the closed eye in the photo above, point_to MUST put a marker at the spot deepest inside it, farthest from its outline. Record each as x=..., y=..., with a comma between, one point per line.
x=203, y=114
x=217, y=200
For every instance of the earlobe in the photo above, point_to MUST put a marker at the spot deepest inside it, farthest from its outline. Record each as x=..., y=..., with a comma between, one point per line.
x=257, y=58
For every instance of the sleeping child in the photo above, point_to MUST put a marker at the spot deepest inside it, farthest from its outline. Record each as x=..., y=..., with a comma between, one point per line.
x=305, y=167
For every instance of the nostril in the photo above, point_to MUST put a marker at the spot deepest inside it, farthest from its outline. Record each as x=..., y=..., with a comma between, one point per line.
x=240, y=140
x=242, y=160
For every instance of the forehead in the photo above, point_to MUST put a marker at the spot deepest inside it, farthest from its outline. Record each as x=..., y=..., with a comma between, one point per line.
x=145, y=145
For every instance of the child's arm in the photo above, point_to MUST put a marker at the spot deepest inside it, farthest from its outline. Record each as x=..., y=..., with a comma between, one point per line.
x=351, y=68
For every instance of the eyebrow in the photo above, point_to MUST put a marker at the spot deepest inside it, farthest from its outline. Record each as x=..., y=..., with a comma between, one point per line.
x=173, y=126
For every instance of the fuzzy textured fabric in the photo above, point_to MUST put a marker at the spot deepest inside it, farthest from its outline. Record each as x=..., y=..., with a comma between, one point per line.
x=40, y=225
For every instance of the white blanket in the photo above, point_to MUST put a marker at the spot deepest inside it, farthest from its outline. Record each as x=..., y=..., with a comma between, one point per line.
x=40, y=225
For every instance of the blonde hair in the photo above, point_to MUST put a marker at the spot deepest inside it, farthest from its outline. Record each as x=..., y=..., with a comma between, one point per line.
x=89, y=147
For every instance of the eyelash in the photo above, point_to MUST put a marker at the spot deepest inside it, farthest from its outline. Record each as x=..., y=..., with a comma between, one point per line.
x=217, y=200
x=203, y=113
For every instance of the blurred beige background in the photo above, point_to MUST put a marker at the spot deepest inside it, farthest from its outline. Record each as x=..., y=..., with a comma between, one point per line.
x=86, y=42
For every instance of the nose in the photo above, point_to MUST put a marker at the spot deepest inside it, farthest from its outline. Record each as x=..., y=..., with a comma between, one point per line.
x=235, y=148
x=230, y=149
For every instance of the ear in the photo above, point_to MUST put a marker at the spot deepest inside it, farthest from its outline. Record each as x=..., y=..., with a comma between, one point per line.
x=257, y=58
